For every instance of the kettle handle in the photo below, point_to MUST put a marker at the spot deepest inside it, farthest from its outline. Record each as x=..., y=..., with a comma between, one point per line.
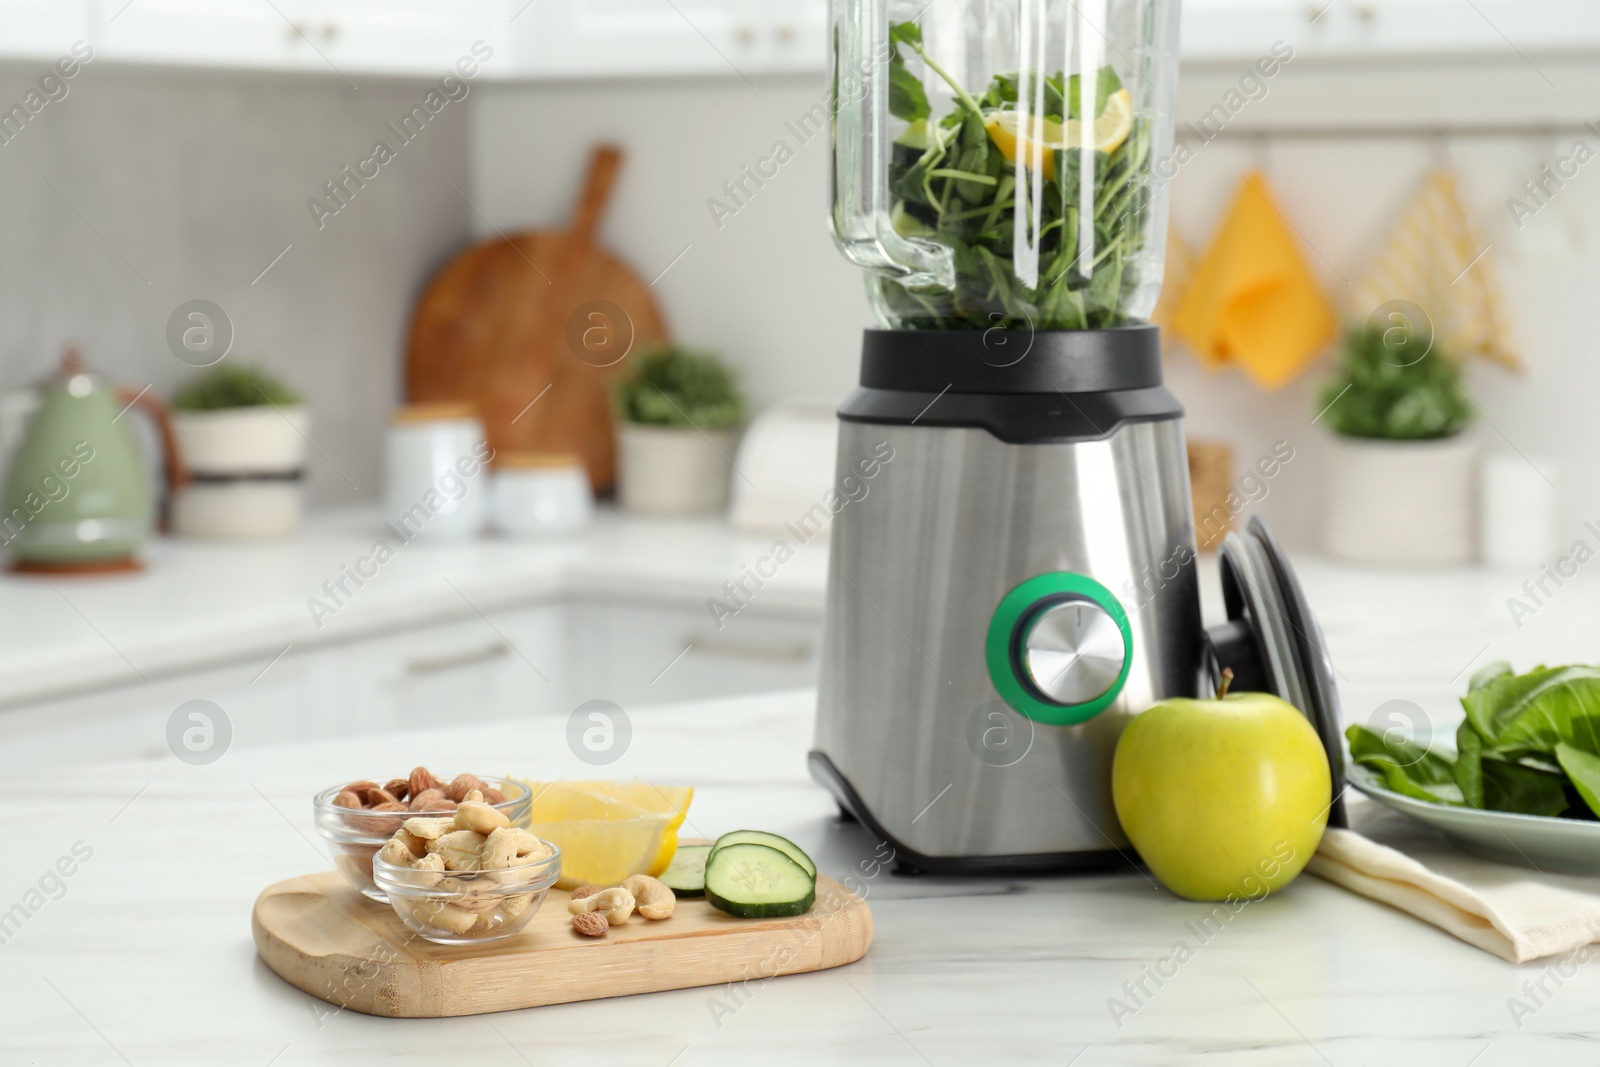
x=177, y=474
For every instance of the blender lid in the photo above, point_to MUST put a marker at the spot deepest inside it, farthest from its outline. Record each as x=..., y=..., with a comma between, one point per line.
x=1273, y=642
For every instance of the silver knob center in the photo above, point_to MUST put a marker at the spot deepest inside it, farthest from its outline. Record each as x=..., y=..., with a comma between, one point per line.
x=1073, y=651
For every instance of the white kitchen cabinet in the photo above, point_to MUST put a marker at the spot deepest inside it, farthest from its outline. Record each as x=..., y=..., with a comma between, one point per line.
x=455, y=672
x=346, y=37
x=42, y=29
x=212, y=33
x=1247, y=29
x=635, y=655
x=543, y=659
x=568, y=39
x=637, y=38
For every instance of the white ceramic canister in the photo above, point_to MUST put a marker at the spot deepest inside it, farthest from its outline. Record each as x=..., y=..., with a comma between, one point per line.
x=436, y=473
x=538, y=493
x=1399, y=502
x=1521, y=510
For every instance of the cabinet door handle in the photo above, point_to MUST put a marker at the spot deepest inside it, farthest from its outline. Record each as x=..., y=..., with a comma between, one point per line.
x=454, y=660
x=798, y=652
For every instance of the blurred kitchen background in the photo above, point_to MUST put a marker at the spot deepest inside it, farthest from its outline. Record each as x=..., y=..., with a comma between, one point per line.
x=177, y=162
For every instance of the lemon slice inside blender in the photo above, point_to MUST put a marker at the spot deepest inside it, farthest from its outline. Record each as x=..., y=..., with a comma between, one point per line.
x=1040, y=137
x=608, y=830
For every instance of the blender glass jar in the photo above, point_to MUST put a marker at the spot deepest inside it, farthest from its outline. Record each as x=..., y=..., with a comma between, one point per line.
x=996, y=162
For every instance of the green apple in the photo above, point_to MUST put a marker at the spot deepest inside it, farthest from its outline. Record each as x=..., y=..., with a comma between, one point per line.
x=1224, y=799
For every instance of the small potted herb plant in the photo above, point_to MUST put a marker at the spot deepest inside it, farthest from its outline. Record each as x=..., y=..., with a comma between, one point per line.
x=242, y=435
x=678, y=417
x=1402, y=479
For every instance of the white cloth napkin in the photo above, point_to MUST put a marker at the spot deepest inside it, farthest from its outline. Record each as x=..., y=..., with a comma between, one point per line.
x=1517, y=913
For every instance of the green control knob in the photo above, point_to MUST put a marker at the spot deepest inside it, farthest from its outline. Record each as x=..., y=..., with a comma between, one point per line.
x=1059, y=648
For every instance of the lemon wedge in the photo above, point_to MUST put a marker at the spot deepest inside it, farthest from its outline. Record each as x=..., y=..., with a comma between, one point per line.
x=1043, y=136
x=608, y=830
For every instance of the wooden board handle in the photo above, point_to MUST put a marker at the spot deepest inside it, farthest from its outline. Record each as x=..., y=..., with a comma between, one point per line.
x=604, y=163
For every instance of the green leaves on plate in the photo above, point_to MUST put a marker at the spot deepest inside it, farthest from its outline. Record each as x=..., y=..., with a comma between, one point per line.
x=1530, y=745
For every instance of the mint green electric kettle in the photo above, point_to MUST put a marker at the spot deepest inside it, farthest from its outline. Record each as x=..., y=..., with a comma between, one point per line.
x=77, y=497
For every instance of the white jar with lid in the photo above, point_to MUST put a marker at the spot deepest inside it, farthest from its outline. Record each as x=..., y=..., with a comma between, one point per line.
x=436, y=469
x=538, y=493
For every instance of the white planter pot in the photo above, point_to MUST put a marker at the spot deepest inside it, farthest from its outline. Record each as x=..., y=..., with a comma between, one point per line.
x=1402, y=501
x=673, y=470
x=247, y=464
x=250, y=440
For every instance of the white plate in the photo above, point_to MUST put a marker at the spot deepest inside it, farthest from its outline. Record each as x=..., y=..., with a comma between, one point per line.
x=1537, y=841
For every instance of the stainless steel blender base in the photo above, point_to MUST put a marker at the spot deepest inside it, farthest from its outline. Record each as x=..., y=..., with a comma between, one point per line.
x=912, y=735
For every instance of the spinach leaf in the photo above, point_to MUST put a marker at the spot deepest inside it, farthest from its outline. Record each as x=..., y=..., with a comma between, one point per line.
x=1488, y=673
x=1469, y=765
x=907, y=99
x=954, y=187
x=1524, y=790
x=1584, y=770
x=1406, y=768
x=1534, y=712
x=1106, y=83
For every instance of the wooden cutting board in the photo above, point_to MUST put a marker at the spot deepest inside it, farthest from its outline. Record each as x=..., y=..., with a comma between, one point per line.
x=325, y=938
x=537, y=314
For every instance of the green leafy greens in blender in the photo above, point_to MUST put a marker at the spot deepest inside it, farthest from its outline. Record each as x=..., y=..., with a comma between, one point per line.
x=1530, y=744
x=954, y=185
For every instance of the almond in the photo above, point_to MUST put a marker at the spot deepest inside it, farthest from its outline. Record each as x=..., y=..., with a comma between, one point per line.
x=491, y=795
x=427, y=800
x=360, y=788
x=421, y=781
x=377, y=797
x=590, y=924
x=462, y=785
x=347, y=799
x=398, y=788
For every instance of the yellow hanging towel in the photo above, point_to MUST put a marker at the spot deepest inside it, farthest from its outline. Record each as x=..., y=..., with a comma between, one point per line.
x=1254, y=300
x=1437, y=258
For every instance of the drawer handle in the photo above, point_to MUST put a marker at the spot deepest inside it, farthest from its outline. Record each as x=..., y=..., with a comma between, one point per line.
x=798, y=652
x=467, y=658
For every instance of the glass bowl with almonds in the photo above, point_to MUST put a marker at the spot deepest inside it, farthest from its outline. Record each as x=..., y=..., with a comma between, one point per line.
x=356, y=818
x=466, y=878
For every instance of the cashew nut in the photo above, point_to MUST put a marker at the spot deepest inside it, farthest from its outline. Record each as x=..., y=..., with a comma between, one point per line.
x=478, y=816
x=509, y=846
x=428, y=829
x=396, y=851
x=615, y=904
x=460, y=849
x=652, y=896
x=430, y=862
x=443, y=914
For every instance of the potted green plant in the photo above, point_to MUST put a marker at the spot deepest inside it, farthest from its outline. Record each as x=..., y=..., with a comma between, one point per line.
x=678, y=418
x=242, y=434
x=1402, y=478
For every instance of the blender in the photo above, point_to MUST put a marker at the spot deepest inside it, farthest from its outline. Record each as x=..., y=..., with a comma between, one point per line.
x=1023, y=578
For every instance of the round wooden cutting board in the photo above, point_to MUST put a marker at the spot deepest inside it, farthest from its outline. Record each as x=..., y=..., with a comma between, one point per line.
x=533, y=328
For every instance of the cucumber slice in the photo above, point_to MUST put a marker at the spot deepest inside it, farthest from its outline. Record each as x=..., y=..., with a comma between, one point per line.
x=761, y=837
x=751, y=881
x=686, y=875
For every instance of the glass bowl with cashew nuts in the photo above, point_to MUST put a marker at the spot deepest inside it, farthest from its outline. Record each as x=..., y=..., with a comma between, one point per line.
x=465, y=878
x=356, y=819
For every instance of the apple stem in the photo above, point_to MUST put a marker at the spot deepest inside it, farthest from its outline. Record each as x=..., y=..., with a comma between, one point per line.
x=1227, y=680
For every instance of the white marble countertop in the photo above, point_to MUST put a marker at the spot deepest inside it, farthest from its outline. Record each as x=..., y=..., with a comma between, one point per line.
x=143, y=955
x=199, y=603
